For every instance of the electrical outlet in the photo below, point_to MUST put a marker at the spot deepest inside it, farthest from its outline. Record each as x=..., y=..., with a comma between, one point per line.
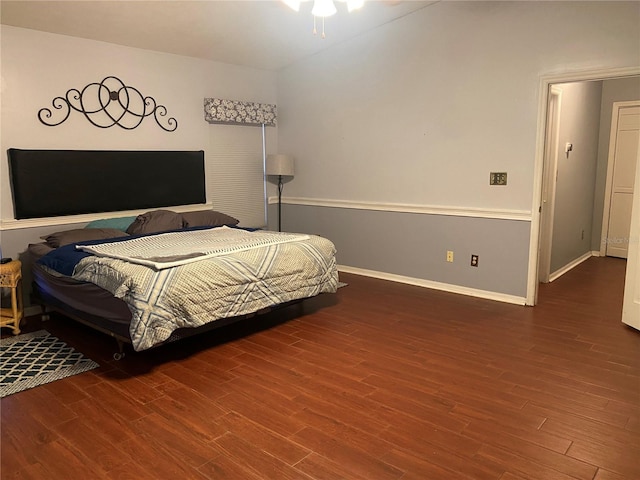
x=498, y=178
x=474, y=260
x=449, y=256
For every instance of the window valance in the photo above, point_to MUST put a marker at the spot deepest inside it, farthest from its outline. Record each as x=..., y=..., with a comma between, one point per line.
x=235, y=112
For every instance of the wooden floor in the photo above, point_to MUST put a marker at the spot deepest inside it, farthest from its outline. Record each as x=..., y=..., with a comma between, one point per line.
x=380, y=381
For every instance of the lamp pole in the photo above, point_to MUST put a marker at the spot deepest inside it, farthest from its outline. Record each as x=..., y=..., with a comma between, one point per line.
x=280, y=203
x=279, y=165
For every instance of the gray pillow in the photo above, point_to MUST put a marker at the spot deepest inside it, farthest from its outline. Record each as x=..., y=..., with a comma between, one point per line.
x=66, y=237
x=155, y=221
x=207, y=218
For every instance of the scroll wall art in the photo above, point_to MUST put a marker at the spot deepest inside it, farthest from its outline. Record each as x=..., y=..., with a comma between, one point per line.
x=235, y=112
x=108, y=103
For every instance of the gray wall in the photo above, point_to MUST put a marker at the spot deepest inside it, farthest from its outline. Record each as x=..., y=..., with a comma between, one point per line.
x=619, y=90
x=414, y=245
x=573, y=215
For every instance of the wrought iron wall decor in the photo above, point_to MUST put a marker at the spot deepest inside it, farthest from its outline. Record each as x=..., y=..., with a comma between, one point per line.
x=108, y=103
x=235, y=112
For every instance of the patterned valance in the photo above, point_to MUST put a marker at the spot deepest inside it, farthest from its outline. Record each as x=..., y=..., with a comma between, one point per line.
x=239, y=113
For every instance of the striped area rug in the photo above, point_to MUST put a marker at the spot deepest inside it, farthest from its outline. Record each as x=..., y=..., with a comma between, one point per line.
x=36, y=358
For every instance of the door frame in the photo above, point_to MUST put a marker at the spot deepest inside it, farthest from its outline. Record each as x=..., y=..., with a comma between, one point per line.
x=550, y=172
x=610, y=163
x=543, y=101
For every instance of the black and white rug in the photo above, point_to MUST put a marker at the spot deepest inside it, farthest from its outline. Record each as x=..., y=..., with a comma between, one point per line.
x=36, y=358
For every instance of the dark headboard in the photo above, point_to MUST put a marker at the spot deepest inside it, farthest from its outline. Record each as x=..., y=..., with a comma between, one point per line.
x=51, y=183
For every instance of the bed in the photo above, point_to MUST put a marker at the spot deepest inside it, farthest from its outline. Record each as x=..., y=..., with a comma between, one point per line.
x=164, y=275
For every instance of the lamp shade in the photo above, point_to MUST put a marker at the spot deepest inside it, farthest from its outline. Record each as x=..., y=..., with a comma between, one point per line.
x=279, y=164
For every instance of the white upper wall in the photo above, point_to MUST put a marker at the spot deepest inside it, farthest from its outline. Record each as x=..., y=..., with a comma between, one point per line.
x=38, y=66
x=419, y=111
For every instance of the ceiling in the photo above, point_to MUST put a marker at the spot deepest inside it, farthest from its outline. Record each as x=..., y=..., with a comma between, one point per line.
x=262, y=34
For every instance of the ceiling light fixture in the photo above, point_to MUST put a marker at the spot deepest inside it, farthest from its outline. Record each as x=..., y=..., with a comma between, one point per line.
x=323, y=9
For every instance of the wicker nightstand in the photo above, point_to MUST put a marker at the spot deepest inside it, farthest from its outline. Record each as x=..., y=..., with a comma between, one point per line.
x=11, y=277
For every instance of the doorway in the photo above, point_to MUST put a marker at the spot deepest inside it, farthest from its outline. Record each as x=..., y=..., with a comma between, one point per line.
x=539, y=230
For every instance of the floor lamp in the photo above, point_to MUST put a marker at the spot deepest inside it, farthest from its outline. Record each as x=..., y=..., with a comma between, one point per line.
x=281, y=166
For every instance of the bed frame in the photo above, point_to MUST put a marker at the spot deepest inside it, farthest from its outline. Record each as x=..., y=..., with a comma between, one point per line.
x=119, y=332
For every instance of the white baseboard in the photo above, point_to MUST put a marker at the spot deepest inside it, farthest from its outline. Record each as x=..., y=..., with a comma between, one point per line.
x=447, y=287
x=571, y=265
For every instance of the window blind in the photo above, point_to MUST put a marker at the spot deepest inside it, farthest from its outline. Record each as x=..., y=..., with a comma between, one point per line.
x=235, y=173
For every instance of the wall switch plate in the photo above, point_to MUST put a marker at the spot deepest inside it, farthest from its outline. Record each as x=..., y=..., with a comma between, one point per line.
x=449, y=256
x=474, y=260
x=498, y=178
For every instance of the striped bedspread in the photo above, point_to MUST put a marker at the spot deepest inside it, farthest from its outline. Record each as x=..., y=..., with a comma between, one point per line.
x=226, y=284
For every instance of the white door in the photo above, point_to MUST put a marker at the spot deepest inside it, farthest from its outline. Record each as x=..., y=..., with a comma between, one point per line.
x=631, y=302
x=623, y=153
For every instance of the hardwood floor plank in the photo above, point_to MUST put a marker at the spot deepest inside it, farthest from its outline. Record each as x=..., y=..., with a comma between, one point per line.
x=133, y=388
x=33, y=472
x=270, y=398
x=47, y=409
x=99, y=451
x=101, y=417
x=579, y=428
x=21, y=433
x=420, y=436
x=615, y=458
x=202, y=427
x=525, y=449
x=421, y=468
x=351, y=458
x=223, y=467
x=433, y=411
x=130, y=471
x=555, y=443
x=14, y=459
x=113, y=401
x=158, y=461
x=524, y=466
x=554, y=407
x=498, y=415
x=264, y=439
x=175, y=437
x=354, y=435
x=212, y=387
x=255, y=459
x=271, y=419
x=606, y=475
x=319, y=467
x=60, y=461
x=440, y=463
